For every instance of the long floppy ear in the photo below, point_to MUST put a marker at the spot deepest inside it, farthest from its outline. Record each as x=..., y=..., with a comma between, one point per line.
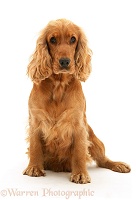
x=39, y=67
x=83, y=58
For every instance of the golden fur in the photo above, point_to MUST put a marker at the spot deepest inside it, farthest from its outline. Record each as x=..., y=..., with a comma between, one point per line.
x=59, y=135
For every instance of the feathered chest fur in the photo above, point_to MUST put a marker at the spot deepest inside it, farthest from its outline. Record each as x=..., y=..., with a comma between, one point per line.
x=57, y=114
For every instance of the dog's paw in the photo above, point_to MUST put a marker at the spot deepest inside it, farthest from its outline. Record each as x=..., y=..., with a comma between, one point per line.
x=121, y=167
x=80, y=178
x=34, y=171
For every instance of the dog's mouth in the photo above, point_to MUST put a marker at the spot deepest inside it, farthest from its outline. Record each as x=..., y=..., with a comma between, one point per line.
x=64, y=71
x=60, y=70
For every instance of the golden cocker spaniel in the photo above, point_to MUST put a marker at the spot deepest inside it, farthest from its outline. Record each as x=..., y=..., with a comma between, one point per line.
x=59, y=136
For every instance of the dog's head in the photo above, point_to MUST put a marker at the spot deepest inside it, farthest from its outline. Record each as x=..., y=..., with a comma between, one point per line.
x=61, y=48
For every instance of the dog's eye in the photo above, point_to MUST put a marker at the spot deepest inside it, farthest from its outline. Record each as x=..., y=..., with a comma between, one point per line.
x=53, y=40
x=72, y=40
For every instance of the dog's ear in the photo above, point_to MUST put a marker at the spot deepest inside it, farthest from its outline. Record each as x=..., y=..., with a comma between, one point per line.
x=83, y=58
x=39, y=67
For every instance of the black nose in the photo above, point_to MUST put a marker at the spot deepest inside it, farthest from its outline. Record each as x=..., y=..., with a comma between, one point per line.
x=64, y=62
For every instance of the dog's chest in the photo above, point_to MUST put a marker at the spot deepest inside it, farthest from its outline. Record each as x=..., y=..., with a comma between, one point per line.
x=58, y=92
x=57, y=137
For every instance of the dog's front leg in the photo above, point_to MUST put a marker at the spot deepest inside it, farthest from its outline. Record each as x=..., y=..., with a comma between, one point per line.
x=35, y=167
x=79, y=170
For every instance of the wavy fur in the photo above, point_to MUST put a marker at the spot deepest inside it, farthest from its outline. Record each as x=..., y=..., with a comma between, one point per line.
x=59, y=136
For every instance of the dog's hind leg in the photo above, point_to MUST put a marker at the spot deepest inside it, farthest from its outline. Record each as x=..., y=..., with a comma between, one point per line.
x=97, y=151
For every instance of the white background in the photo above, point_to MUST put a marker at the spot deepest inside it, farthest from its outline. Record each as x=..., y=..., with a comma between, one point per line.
x=110, y=26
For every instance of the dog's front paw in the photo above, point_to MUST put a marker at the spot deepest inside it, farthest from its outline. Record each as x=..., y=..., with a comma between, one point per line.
x=121, y=167
x=80, y=178
x=34, y=171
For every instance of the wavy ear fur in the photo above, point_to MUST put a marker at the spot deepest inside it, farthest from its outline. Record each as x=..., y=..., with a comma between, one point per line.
x=83, y=58
x=39, y=67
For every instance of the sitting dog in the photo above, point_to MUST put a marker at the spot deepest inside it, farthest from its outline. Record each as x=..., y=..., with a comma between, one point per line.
x=59, y=136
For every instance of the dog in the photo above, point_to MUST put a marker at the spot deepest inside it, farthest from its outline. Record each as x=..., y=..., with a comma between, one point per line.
x=59, y=136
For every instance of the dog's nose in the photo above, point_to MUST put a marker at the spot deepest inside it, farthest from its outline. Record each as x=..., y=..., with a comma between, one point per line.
x=64, y=62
